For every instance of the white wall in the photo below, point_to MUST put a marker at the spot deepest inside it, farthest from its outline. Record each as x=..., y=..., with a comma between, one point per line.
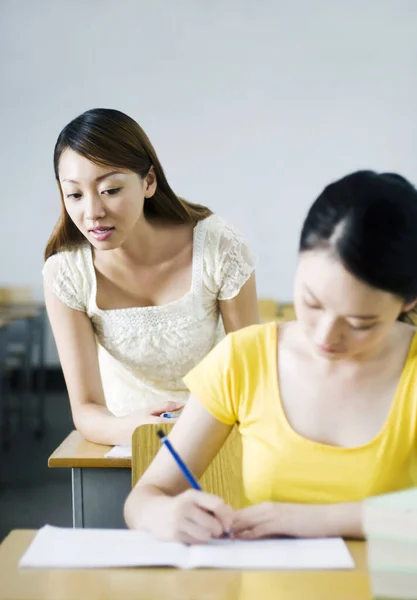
x=253, y=106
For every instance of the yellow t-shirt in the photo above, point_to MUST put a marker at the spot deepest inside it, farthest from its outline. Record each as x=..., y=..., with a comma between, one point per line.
x=238, y=383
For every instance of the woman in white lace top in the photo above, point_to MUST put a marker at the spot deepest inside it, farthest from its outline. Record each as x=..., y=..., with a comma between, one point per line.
x=136, y=279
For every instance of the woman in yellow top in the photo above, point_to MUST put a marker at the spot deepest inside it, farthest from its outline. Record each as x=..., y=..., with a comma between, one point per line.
x=326, y=405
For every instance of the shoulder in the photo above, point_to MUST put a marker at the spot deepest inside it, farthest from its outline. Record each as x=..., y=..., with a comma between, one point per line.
x=242, y=350
x=216, y=227
x=254, y=339
x=74, y=259
x=226, y=241
x=212, y=223
x=242, y=346
x=228, y=262
x=223, y=380
x=208, y=232
x=406, y=338
x=68, y=274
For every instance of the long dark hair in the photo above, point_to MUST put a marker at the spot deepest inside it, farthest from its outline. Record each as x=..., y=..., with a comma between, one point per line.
x=369, y=221
x=110, y=138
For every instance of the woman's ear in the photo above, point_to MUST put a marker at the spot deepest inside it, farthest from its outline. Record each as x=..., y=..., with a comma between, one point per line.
x=409, y=306
x=150, y=183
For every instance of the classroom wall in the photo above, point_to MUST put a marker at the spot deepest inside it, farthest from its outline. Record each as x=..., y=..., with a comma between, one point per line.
x=253, y=106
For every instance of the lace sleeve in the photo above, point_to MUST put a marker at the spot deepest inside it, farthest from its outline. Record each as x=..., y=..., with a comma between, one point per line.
x=65, y=280
x=229, y=260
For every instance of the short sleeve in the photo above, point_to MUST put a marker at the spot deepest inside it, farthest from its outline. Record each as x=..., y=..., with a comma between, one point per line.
x=228, y=260
x=213, y=382
x=67, y=280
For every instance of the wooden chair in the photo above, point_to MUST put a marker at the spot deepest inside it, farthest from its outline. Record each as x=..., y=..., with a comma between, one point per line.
x=222, y=478
x=268, y=309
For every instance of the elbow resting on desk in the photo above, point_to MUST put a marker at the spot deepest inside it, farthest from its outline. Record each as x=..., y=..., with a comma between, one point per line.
x=98, y=425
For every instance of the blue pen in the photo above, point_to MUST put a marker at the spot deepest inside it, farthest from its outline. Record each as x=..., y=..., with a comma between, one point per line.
x=172, y=415
x=183, y=467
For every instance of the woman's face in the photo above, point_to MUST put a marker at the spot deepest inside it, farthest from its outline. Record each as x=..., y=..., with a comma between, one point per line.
x=104, y=203
x=341, y=316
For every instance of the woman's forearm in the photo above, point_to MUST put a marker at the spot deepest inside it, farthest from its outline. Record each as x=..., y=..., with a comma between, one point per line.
x=344, y=519
x=323, y=520
x=139, y=502
x=97, y=424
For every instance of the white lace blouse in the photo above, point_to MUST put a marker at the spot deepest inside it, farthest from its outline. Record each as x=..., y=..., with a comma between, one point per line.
x=144, y=352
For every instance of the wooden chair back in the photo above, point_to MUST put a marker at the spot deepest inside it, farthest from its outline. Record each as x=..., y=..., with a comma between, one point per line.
x=222, y=478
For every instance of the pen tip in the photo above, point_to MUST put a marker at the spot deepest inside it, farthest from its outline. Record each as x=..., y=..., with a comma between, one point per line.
x=160, y=434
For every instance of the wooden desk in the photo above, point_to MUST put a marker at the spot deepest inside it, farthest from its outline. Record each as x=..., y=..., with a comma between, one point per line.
x=99, y=485
x=174, y=584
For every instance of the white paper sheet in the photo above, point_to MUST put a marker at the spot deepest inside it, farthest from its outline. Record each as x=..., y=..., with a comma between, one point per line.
x=55, y=547
x=119, y=452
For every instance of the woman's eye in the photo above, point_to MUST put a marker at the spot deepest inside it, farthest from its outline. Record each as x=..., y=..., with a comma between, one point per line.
x=312, y=306
x=362, y=327
x=112, y=191
x=74, y=196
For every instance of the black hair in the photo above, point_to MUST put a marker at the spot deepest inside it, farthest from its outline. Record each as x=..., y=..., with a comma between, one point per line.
x=369, y=221
x=110, y=138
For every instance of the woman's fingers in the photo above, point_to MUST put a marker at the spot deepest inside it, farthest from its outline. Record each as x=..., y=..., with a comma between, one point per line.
x=257, y=531
x=206, y=520
x=196, y=532
x=167, y=407
x=246, y=518
x=259, y=521
x=217, y=506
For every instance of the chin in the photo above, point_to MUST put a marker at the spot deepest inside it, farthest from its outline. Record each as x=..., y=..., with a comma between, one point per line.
x=330, y=355
x=335, y=357
x=103, y=246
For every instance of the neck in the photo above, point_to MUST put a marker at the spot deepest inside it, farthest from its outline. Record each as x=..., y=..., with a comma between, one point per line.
x=143, y=247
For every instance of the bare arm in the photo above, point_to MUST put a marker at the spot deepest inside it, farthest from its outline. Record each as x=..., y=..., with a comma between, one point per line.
x=77, y=349
x=158, y=504
x=242, y=310
x=197, y=437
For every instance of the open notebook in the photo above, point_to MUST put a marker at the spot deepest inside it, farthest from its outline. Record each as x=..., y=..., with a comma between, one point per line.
x=119, y=452
x=55, y=547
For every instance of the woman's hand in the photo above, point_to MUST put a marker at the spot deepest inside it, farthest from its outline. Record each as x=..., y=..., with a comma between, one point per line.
x=262, y=520
x=298, y=520
x=192, y=517
x=154, y=415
